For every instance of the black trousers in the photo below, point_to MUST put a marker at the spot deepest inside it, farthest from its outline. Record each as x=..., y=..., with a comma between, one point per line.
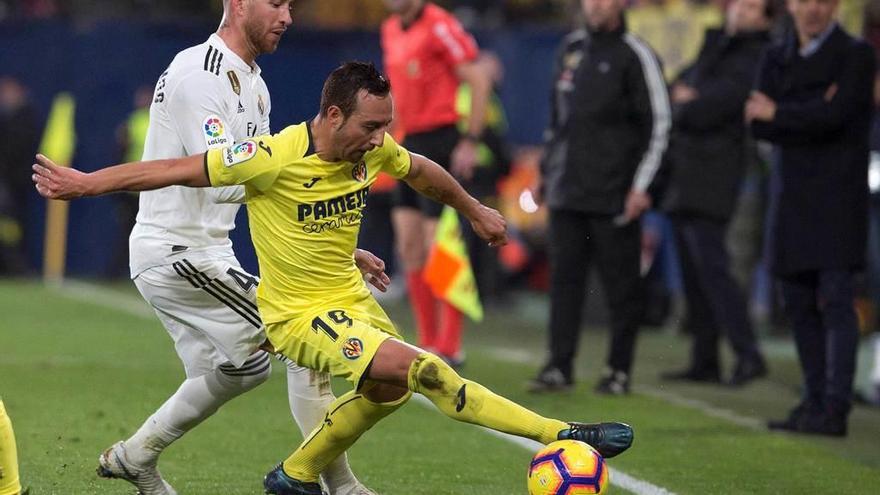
x=714, y=300
x=576, y=240
x=820, y=306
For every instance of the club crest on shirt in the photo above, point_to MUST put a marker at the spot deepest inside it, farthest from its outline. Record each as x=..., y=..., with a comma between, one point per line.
x=239, y=153
x=353, y=348
x=261, y=106
x=215, y=132
x=359, y=172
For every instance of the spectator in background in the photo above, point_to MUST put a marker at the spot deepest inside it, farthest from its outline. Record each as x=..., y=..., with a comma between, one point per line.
x=608, y=130
x=708, y=154
x=814, y=102
x=427, y=54
x=130, y=137
x=18, y=126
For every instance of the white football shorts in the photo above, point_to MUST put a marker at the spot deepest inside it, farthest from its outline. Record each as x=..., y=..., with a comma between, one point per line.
x=209, y=307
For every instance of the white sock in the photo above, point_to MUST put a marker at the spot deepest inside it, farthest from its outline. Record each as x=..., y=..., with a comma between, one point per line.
x=309, y=395
x=195, y=400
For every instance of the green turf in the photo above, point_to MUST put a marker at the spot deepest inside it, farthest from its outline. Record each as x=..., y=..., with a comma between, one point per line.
x=77, y=376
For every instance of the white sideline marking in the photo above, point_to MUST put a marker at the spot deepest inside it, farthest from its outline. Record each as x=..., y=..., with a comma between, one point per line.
x=521, y=357
x=703, y=407
x=618, y=477
x=100, y=296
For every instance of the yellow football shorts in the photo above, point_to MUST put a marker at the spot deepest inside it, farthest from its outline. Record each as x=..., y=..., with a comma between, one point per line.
x=340, y=338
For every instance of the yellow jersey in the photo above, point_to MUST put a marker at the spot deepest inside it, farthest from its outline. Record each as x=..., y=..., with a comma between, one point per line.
x=304, y=213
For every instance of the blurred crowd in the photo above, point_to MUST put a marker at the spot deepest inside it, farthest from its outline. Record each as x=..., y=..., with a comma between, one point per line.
x=657, y=20
x=333, y=14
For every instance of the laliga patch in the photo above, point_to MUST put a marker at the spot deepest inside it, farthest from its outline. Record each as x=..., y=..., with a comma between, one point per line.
x=215, y=132
x=359, y=172
x=353, y=348
x=239, y=153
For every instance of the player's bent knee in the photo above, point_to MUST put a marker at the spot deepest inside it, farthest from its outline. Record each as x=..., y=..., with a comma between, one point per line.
x=392, y=362
x=428, y=373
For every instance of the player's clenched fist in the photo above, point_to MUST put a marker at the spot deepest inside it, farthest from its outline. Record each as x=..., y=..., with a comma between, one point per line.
x=490, y=226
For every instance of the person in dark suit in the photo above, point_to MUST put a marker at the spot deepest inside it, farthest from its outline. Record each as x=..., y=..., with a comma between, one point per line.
x=707, y=156
x=814, y=102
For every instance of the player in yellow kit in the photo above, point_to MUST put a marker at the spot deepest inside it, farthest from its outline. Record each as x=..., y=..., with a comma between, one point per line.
x=9, y=482
x=306, y=188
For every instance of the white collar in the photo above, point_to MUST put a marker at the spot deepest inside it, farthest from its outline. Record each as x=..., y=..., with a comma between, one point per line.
x=816, y=43
x=233, y=58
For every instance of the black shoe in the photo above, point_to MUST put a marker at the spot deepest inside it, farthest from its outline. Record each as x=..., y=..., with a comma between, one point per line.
x=277, y=482
x=700, y=375
x=613, y=382
x=550, y=379
x=747, y=371
x=810, y=419
x=609, y=439
x=835, y=426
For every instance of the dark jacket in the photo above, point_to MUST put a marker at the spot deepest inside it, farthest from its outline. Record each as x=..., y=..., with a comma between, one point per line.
x=609, y=124
x=708, y=150
x=818, y=215
x=21, y=134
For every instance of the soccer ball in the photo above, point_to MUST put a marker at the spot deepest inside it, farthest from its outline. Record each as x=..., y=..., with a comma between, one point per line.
x=567, y=467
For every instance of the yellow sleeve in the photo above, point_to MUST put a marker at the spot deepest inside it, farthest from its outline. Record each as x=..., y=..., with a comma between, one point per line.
x=255, y=162
x=395, y=158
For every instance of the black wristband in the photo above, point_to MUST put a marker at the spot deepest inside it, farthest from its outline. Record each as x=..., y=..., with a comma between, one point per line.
x=474, y=138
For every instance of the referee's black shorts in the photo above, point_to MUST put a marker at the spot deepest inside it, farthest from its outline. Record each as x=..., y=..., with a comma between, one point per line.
x=436, y=145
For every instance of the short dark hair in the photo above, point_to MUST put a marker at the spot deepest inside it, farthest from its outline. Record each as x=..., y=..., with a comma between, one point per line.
x=346, y=81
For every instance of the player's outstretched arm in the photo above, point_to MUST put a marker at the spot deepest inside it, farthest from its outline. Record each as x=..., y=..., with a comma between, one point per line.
x=431, y=180
x=56, y=182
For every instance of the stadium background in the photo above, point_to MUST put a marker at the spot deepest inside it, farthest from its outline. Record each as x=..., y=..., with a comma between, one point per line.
x=101, y=51
x=102, y=63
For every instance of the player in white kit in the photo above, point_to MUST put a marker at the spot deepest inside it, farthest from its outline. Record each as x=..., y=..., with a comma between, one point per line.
x=182, y=260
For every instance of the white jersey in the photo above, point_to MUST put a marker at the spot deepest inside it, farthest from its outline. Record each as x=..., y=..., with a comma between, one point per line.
x=207, y=98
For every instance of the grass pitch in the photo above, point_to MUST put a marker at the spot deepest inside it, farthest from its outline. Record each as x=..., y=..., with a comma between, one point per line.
x=80, y=370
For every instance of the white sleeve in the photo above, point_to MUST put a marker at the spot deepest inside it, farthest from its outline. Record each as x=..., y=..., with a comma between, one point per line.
x=202, y=117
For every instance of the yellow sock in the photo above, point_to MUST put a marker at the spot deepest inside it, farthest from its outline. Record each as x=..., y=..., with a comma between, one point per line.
x=347, y=418
x=471, y=402
x=9, y=483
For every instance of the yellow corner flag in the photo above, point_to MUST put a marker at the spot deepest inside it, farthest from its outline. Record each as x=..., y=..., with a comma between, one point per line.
x=448, y=271
x=59, y=142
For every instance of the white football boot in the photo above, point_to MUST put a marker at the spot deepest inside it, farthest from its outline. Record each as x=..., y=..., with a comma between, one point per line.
x=113, y=463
